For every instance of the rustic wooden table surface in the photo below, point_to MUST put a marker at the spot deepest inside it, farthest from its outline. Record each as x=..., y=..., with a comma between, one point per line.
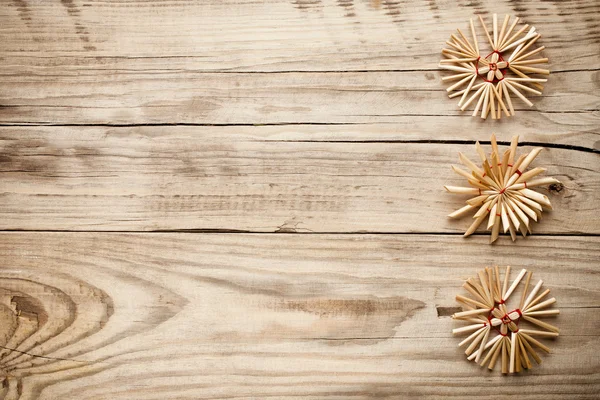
x=244, y=199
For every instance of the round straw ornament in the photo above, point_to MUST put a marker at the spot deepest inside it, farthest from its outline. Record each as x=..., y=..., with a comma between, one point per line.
x=503, y=331
x=502, y=190
x=487, y=78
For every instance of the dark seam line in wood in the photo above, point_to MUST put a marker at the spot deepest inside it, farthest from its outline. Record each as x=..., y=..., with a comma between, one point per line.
x=267, y=72
x=442, y=141
x=290, y=71
x=405, y=337
x=393, y=141
x=282, y=232
x=284, y=123
x=159, y=124
x=351, y=90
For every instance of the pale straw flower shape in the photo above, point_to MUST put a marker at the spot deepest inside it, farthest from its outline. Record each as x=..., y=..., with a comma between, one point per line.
x=502, y=190
x=488, y=79
x=499, y=333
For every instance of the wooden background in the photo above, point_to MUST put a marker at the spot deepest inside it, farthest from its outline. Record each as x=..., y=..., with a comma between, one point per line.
x=243, y=199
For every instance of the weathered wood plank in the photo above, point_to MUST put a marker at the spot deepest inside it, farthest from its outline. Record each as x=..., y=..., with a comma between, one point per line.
x=290, y=316
x=155, y=178
x=259, y=35
x=53, y=96
x=565, y=131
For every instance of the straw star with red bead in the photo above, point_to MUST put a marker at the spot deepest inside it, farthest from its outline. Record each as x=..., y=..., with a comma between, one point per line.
x=497, y=333
x=502, y=190
x=489, y=81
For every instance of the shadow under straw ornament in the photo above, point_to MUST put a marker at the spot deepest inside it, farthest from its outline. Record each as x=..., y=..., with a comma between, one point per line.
x=502, y=190
x=498, y=331
x=494, y=75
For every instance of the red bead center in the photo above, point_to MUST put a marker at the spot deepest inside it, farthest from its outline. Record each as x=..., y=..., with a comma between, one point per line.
x=493, y=67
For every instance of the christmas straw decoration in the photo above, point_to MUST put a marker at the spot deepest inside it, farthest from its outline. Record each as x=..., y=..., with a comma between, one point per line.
x=494, y=332
x=488, y=81
x=502, y=191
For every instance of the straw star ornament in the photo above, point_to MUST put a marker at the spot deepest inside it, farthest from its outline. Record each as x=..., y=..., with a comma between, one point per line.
x=502, y=190
x=488, y=81
x=499, y=332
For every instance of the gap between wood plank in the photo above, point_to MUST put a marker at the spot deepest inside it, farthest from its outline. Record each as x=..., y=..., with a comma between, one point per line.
x=299, y=71
x=280, y=232
x=392, y=141
x=461, y=142
x=284, y=123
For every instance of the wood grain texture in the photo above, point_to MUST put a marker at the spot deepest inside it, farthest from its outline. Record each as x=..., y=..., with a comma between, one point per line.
x=206, y=316
x=320, y=126
x=93, y=66
x=81, y=96
x=165, y=178
x=280, y=35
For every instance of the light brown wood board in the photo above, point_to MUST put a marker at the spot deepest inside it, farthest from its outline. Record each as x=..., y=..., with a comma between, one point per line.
x=183, y=315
